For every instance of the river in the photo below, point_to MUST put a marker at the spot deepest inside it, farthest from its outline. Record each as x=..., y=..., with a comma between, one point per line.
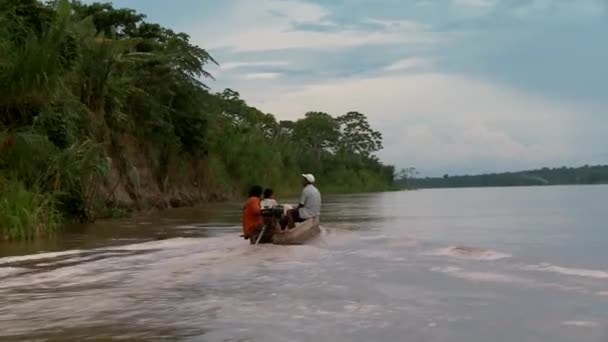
x=457, y=265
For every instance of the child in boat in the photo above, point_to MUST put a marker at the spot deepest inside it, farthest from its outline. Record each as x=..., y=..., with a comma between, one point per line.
x=252, y=218
x=269, y=200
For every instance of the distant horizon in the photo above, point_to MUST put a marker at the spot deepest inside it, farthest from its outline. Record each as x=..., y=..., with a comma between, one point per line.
x=440, y=175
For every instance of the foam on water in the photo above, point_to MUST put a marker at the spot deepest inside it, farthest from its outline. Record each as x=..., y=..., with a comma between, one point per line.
x=582, y=324
x=578, y=272
x=170, y=253
x=492, y=277
x=167, y=243
x=369, y=253
x=373, y=237
x=132, y=284
x=206, y=226
x=405, y=242
x=471, y=253
x=39, y=256
x=8, y=271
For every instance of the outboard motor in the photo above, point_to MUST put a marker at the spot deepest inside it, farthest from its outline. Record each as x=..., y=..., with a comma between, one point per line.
x=272, y=217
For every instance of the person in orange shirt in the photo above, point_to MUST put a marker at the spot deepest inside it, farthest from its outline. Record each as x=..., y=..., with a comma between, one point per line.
x=252, y=217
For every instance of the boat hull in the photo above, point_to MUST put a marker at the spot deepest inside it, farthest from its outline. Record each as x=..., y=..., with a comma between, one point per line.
x=298, y=235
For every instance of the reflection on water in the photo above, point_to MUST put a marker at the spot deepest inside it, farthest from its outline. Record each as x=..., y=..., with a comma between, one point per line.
x=522, y=264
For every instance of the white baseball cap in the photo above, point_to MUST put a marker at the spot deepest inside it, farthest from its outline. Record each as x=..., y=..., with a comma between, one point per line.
x=309, y=177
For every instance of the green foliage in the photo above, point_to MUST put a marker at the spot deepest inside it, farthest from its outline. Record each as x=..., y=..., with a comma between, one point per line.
x=94, y=98
x=31, y=68
x=317, y=132
x=109, y=20
x=26, y=154
x=357, y=136
x=60, y=128
x=406, y=177
x=26, y=214
x=76, y=174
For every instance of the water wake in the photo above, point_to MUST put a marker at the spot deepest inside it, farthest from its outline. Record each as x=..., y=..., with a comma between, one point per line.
x=579, y=272
x=482, y=276
x=471, y=253
x=582, y=324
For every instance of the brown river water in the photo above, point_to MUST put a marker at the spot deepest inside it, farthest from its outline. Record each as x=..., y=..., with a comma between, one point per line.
x=512, y=264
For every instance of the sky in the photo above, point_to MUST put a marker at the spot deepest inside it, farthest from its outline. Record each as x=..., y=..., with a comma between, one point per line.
x=455, y=86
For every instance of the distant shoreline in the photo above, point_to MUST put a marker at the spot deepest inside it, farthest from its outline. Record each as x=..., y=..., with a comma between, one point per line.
x=584, y=175
x=504, y=186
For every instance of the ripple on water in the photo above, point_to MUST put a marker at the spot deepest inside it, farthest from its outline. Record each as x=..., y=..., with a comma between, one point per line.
x=578, y=272
x=38, y=256
x=10, y=271
x=130, y=285
x=471, y=253
x=405, y=242
x=581, y=324
x=492, y=277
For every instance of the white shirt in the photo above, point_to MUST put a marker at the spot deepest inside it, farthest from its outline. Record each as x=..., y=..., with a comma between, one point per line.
x=311, y=202
x=268, y=203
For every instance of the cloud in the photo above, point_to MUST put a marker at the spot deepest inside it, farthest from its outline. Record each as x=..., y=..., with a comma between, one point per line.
x=295, y=11
x=398, y=25
x=560, y=8
x=246, y=64
x=279, y=38
x=472, y=9
x=443, y=122
x=410, y=63
x=475, y=3
x=262, y=75
x=282, y=37
x=276, y=24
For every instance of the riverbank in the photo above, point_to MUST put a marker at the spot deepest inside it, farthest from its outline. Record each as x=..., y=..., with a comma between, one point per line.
x=123, y=205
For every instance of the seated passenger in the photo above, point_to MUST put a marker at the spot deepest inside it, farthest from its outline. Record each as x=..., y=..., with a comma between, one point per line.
x=252, y=218
x=269, y=200
x=310, y=203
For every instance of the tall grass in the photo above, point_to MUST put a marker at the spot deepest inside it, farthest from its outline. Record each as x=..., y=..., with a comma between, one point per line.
x=70, y=178
x=26, y=214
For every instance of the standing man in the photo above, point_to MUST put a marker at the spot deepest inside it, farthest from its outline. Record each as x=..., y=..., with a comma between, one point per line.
x=310, y=202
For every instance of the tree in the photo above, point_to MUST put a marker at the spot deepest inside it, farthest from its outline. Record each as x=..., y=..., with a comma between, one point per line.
x=406, y=176
x=357, y=135
x=108, y=20
x=318, y=131
x=286, y=127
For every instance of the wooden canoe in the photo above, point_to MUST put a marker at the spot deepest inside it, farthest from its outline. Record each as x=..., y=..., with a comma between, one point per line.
x=298, y=235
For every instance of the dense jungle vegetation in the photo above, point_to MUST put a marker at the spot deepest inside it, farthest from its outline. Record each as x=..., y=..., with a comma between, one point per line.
x=102, y=112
